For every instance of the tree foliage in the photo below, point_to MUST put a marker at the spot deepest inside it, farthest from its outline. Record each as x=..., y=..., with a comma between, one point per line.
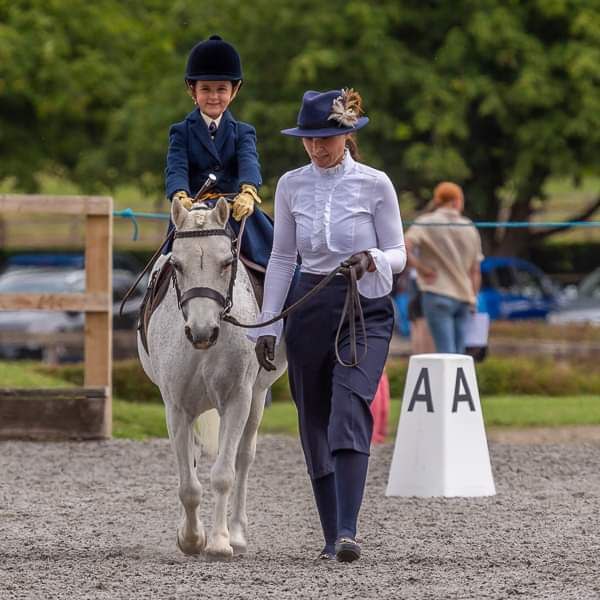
x=498, y=95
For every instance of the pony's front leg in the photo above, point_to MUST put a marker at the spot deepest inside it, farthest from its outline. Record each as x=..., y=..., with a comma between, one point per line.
x=191, y=537
x=222, y=475
x=245, y=457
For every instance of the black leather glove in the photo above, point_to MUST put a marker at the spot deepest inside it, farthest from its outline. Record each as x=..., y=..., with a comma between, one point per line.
x=265, y=351
x=361, y=261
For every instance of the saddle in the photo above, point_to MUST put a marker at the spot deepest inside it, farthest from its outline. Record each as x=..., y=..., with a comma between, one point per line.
x=162, y=278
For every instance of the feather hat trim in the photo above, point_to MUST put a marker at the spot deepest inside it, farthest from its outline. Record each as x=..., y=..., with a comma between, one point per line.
x=346, y=108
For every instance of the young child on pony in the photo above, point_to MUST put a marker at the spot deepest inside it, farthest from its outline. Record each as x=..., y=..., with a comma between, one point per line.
x=210, y=140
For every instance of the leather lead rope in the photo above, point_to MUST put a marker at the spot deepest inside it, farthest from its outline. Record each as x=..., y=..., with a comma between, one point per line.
x=352, y=307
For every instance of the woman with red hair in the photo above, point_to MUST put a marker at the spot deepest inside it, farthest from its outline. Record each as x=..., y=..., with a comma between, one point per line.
x=445, y=249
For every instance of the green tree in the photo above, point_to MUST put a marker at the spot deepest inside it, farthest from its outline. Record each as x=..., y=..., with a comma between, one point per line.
x=66, y=69
x=498, y=95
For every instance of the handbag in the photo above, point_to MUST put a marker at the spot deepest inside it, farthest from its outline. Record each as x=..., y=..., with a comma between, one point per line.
x=476, y=335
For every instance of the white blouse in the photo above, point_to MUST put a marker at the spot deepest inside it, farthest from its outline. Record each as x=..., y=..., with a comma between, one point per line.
x=327, y=215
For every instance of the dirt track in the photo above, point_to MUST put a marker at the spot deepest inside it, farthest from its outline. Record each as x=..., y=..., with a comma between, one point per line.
x=97, y=520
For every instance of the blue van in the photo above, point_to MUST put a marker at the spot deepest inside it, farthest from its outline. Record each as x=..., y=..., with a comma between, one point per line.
x=511, y=288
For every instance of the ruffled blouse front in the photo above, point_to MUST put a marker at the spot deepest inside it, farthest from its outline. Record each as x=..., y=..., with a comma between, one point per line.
x=326, y=215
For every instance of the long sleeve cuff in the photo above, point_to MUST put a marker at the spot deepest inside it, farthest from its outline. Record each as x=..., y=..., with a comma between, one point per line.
x=379, y=282
x=275, y=329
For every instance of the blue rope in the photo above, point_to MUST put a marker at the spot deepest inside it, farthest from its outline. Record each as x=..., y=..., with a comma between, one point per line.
x=511, y=224
x=128, y=213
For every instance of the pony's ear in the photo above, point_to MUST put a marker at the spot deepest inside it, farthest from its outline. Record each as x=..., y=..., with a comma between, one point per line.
x=221, y=211
x=178, y=213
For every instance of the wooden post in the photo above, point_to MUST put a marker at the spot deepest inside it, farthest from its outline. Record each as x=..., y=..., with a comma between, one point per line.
x=96, y=303
x=98, y=325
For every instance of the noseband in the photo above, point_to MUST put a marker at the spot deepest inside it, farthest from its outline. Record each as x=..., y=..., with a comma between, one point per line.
x=205, y=292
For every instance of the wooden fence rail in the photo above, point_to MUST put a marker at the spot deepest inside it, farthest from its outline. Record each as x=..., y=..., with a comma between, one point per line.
x=96, y=302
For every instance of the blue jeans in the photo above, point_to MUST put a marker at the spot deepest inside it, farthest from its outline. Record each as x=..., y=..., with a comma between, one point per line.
x=447, y=320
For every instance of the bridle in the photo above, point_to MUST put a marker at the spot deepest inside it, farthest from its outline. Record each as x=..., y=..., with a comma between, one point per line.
x=225, y=302
x=352, y=305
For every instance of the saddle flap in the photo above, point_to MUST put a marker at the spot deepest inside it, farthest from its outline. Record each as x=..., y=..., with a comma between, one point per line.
x=157, y=289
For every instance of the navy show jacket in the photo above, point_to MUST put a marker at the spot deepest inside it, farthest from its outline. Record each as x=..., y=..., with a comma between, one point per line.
x=192, y=155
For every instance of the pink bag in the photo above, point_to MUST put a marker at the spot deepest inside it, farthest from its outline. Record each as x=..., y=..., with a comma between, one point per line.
x=380, y=409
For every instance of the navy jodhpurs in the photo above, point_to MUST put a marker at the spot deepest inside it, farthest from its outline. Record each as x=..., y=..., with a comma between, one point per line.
x=333, y=401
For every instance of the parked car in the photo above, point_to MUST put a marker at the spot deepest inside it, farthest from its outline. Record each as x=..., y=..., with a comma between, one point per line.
x=76, y=260
x=511, y=288
x=18, y=279
x=583, y=306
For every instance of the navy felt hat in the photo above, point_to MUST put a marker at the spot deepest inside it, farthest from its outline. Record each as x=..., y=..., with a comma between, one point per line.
x=213, y=60
x=325, y=114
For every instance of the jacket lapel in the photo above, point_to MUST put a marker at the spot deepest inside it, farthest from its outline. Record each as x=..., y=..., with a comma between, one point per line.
x=200, y=130
x=224, y=130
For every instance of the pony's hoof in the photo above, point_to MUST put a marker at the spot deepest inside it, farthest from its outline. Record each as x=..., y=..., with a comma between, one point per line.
x=237, y=539
x=239, y=547
x=219, y=549
x=219, y=554
x=192, y=546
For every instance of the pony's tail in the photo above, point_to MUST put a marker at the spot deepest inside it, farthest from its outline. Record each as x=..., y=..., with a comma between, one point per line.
x=207, y=427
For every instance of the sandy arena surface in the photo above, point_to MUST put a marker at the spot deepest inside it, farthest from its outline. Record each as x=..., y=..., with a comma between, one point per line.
x=97, y=520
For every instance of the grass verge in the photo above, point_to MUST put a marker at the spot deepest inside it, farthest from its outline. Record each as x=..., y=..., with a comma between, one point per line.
x=139, y=420
x=142, y=420
x=25, y=374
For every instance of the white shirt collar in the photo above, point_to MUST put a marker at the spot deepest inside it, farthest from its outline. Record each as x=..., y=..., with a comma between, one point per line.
x=344, y=167
x=208, y=120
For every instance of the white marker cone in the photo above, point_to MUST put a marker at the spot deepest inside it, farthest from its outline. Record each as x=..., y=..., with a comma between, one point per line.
x=441, y=448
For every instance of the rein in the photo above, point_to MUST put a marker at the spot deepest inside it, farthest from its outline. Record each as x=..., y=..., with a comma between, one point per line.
x=352, y=306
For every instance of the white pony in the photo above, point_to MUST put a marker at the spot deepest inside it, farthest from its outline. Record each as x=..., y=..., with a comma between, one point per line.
x=201, y=362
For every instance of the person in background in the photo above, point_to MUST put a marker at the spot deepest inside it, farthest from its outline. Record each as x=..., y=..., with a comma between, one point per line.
x=421, y=341
x=210, y=141
x=445, y=249
x=333, y=211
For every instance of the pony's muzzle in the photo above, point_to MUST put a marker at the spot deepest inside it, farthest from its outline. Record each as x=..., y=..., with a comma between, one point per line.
x=204, y=340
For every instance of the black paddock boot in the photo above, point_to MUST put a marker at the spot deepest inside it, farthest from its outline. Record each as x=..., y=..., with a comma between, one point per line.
x=347, y=550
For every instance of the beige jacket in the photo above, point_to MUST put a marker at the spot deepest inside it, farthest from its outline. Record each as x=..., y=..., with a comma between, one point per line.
x=451, y=251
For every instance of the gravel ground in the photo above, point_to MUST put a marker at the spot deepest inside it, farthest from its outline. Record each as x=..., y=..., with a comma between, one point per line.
x=97, y=520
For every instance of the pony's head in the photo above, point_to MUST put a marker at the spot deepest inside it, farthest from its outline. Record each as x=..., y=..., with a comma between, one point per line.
x=203, y=261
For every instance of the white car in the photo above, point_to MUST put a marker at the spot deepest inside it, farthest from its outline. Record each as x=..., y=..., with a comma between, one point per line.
x=37, y=280
x=584, y=306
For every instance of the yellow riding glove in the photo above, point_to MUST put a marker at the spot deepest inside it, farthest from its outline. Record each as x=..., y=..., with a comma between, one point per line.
x=243, y=203
x=185, y=200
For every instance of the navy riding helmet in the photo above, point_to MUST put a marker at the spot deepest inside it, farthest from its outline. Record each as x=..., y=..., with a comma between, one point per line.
x=213, y=60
